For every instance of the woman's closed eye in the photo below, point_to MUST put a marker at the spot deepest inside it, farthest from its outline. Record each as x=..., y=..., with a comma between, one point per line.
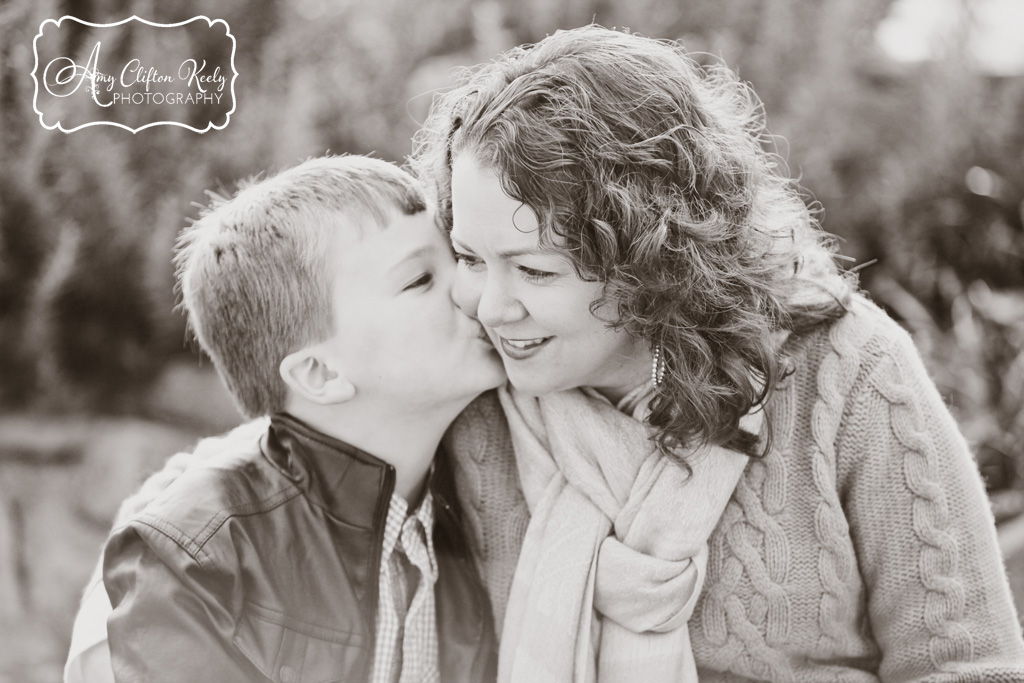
x=534, y=275
x=467, y=260
x=423, y=280
x=529, y=274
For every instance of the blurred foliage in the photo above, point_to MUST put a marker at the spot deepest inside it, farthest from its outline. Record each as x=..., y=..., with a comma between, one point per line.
x=911, y=174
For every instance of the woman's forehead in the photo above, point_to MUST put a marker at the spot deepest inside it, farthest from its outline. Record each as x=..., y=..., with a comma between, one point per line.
x=480, y=204
x=486, y=218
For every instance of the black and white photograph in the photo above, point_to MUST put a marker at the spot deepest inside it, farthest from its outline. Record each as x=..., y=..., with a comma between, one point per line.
x=511, y=341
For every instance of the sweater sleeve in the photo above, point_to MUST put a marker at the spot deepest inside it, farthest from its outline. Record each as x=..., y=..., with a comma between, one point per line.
x=169, y=622
x=938, y=600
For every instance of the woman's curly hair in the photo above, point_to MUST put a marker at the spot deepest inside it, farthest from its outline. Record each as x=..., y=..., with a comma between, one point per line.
x=653, y=172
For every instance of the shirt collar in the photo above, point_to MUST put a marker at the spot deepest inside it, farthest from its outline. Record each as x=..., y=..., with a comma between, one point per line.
x=398, y=517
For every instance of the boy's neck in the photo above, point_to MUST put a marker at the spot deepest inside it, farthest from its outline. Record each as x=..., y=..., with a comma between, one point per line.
x=408, y=443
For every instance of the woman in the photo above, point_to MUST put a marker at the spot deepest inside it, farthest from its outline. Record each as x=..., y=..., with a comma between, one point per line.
x=625, y=240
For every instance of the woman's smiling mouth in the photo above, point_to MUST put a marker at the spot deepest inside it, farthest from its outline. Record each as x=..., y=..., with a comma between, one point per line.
x=521, y=349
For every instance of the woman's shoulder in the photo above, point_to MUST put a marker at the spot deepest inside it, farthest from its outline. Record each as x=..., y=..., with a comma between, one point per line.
x=886, y=335
x=852, y=377
x=844, y=352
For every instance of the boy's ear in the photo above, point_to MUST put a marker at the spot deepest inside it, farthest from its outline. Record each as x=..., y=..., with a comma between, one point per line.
x=310, y=376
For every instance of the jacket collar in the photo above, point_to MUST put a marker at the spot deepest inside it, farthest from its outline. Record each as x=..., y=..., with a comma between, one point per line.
x=348, y=482
x=355, y=488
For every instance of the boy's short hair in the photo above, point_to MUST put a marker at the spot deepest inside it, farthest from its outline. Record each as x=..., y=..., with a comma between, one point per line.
x=253, y=272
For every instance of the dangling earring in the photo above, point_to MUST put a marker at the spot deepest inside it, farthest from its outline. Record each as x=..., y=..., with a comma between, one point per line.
x=658, y=366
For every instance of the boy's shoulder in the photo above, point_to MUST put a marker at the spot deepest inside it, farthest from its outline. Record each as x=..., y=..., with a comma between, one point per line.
x=228, y=477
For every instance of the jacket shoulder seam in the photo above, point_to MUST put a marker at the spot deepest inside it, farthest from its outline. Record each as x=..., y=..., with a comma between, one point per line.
x=195, y=544
x=256, y=507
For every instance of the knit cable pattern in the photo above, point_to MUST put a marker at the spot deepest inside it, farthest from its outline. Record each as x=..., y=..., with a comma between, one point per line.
x=938, y=554
x=747, y=640
x=836, y=563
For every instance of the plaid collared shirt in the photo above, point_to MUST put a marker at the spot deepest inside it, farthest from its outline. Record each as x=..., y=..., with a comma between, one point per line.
x=407, y=628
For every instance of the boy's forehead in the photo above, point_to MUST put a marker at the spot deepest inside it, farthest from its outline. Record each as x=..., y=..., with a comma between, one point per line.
x=346, y=238
x=351, y=226
x=363, y=245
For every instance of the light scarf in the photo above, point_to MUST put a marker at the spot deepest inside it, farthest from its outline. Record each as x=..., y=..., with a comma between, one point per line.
x=614, y=556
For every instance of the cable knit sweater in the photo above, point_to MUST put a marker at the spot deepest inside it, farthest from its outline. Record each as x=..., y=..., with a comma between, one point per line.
x=860, y=548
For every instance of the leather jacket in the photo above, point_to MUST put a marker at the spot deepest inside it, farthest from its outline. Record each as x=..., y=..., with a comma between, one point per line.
x=262, y=564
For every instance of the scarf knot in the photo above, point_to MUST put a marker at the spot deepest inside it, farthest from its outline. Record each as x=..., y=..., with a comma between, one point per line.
x=614, y=556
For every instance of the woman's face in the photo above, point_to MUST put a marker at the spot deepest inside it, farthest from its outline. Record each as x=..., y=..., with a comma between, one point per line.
x=534, y=307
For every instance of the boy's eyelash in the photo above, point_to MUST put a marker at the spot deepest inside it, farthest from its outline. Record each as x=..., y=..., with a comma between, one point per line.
x=466, y=259
x=422, y=280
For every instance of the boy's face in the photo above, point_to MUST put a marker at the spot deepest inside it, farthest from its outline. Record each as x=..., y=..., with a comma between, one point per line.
x=398, y=335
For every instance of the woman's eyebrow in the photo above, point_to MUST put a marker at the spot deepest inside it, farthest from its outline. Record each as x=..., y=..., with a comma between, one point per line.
x=512, y=253
x=457, y=243
x=504, y=255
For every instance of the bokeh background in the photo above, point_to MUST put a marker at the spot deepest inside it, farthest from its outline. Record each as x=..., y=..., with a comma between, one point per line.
x=904, y=119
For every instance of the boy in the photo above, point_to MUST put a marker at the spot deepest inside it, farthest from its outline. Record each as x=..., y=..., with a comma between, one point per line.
x=325, y=546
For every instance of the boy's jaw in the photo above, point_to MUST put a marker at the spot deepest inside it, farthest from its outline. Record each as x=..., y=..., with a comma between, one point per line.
x=406, y=437
x=417, y=362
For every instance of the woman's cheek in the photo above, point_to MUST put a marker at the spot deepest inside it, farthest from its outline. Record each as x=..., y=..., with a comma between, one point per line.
x=466, y=290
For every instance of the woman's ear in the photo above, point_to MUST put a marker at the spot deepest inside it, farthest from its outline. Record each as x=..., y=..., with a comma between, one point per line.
x=310, y=376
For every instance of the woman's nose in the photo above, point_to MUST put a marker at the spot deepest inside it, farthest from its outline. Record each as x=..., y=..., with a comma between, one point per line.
x=484, y=297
